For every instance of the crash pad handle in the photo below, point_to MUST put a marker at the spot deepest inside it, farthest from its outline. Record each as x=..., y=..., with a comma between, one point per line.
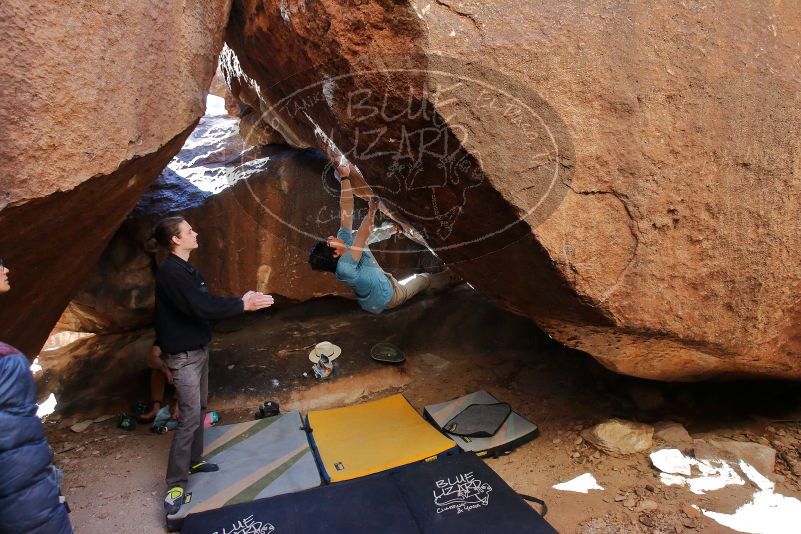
x=537, y=501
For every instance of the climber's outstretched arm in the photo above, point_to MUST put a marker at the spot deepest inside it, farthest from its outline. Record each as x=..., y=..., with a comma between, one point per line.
x=356, y=178
x=360, y=241
x=356, y=185
x=346, y=204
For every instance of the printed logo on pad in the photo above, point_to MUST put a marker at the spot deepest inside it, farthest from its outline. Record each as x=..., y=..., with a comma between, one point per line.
x=462, y=493
x=248, y=525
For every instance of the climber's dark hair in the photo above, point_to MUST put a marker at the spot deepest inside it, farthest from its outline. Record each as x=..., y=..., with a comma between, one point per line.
x=162, y=234
x=322, y=257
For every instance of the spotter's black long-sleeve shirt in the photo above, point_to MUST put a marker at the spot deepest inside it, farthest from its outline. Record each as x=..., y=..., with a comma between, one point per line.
x=184, y=307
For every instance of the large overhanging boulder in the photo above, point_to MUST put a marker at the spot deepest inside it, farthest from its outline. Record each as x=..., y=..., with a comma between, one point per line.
x=624, y=174
x=95, y=103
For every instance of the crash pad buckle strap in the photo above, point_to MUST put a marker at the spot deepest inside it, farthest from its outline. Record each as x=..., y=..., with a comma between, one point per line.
x=537, y=501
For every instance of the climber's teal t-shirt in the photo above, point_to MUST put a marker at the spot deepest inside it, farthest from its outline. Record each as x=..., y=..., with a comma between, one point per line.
x=367, y=280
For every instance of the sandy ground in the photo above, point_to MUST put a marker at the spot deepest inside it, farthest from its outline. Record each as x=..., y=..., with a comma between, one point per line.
x=454, y=344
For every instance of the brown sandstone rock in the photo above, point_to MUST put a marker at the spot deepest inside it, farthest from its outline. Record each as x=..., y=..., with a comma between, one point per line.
x=118, y=295
x=259, y=124
x=218, y=85
x=618, y=437
x=50, y=256
x=673, y=434
x=96, y=100
x=649, y=155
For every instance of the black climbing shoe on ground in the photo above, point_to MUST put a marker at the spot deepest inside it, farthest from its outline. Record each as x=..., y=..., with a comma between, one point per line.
x=174, y=500
x=203, y=467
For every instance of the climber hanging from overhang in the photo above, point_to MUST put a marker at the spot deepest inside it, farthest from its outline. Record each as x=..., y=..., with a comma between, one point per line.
x=348, y=255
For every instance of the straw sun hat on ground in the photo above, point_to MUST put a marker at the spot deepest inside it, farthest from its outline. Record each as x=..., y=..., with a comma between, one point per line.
x=324, y=348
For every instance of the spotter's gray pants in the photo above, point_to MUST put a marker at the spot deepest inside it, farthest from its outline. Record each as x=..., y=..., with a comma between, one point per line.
x=190, y=374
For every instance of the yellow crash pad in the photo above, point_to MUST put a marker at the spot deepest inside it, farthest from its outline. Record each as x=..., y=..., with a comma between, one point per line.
x=368, y=438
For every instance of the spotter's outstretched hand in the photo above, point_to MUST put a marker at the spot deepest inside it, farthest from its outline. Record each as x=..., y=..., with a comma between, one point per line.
x=255, y=300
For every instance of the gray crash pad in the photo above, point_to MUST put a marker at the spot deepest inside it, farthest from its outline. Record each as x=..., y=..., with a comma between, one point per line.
x=257, y=459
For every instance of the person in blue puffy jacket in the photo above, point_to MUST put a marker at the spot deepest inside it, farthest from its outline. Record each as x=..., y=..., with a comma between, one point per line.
x=29, y=495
